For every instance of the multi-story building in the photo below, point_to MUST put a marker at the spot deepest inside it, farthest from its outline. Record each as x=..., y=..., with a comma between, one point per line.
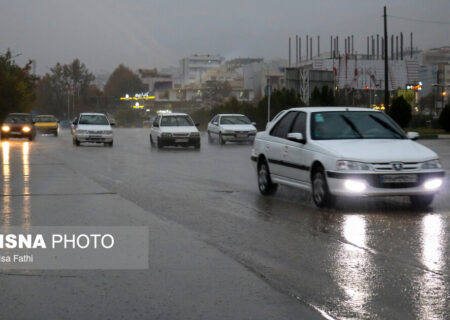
x=305, y=79
x=258, y=75
x=195, y=66
x=436, y=56
x=155, y=81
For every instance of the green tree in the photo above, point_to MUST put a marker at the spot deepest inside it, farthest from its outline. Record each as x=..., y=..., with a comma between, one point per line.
x=400, y=111
x=16, y=86
x=322, y=97
x=444, y=118
x=123, y=81
x=279, y=100
x=65, y=82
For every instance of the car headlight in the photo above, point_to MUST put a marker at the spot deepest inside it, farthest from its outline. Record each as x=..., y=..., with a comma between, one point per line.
x=107, y=132
x=352, y=165
x=195, y=134
x=252, y=131
x=166, y=134
x=6, y=128
x=432, y=164
x=81, y=131
x=26, y=129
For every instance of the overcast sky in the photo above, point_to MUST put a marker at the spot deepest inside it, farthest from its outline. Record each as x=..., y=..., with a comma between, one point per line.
x=157, y=33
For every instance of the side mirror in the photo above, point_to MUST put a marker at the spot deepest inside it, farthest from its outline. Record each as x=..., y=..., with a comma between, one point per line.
x=253, y=123
x=296, y=136
x=74, y=123
x=215, y=123
x=112, y=124
x=413, y=135
x=197, y=124
x=156, y=125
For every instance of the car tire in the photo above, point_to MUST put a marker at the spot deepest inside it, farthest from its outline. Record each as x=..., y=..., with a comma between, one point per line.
x=76, y=142
x=221, y=141
x=320, y=192
x=4, y=138
x=30, y=138
x=265, y=185
x=55, y=134
x=210, y=139
x=109, y=144
x=152, y=143
x=197, y=146
x=160, y=144
x=421, y=201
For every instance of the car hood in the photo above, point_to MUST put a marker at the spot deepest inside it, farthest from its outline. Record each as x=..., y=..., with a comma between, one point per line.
x=238, y=127
x=179, y=129
x=383, y=150
x=93, y=127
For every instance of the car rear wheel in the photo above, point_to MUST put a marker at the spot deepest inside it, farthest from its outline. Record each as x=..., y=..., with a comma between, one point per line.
x=76, y=142
x=265, y=184
x=320, y=192
x=421, y=201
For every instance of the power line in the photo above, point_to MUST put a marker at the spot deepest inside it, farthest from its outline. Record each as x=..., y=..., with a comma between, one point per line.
x=420, y=20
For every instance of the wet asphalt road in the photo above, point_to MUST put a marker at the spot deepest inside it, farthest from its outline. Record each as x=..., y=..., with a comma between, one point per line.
x=367, y=259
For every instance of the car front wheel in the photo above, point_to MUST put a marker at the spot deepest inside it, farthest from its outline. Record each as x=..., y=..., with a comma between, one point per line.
x=221, y=141
x=265, y=184
x=160, y=144
x=320, y=192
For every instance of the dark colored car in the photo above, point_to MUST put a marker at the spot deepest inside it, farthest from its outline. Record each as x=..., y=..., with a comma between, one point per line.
x=18, y=125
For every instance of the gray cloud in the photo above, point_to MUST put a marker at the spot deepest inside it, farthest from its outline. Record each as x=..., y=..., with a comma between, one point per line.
x=140, y=33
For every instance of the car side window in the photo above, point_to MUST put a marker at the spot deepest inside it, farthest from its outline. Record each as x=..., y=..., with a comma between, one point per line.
x=300, y=124
x=283, y=127
x=214, y=119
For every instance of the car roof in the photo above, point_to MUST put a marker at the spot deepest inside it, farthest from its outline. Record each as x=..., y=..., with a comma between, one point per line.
x=92, y=114
x=329, y=109
x=45, y=116
x=19, y=114
x=230, y=114
x=173, y=114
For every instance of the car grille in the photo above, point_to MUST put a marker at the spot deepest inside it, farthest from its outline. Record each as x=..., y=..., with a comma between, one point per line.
x=241, y=132
x=95, y=132
x=180, y=134
x=387, y=166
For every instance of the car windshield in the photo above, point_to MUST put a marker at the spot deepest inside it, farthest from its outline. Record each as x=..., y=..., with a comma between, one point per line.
x=94, y=119
x=176, y=121
x=18, y=118
x=45, y=119
x=353, y=125
x=234, y=120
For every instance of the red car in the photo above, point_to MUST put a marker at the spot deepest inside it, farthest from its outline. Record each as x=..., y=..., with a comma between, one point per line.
x=18, y=125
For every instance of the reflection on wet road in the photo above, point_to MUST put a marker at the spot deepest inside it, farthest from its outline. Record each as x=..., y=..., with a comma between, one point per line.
x=373, y=259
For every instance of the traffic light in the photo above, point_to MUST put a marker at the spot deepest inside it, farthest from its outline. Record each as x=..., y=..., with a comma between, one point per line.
x=367, y=87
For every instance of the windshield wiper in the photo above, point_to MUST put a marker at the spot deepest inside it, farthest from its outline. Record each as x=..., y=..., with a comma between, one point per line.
x=386, y=126
x=352, y=125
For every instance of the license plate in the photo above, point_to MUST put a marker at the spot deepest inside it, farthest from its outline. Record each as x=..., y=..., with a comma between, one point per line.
x=181, y=140
x=95, y=137
x=16, y=133
x=403, y=178
x=241, y=136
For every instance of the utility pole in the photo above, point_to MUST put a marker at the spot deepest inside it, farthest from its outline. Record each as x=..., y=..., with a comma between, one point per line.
x=386, y=63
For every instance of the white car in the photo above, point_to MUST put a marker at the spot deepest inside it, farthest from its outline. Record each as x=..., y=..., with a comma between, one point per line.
x=174, y=129
x=339, y=151
x=92, y=127
x=231, y=127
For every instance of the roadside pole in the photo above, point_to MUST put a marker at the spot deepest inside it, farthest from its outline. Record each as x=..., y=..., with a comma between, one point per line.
x=386, y=63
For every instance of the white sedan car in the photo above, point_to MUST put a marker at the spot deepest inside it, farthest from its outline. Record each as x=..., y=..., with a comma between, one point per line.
x=231, y=127
x=92, y=127
x=339, y=151
x=174, y=129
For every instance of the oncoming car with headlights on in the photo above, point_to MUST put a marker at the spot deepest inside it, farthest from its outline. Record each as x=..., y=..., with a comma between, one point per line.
x=92, y=127
x=18, y=125
x=231, y=127
x=174, y=129
x=340, y=151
